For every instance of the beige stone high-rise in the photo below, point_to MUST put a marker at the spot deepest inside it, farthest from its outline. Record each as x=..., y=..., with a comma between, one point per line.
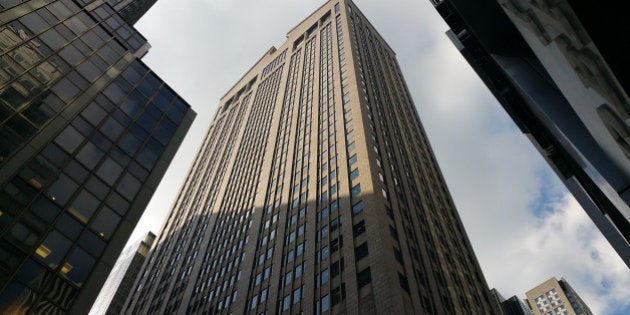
x=556, y=297
x=315, y=192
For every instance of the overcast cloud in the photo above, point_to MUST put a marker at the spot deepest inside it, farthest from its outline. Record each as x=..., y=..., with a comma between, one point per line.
x=523, y=224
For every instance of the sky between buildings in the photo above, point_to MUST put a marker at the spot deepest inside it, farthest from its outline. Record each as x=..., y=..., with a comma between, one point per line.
x=523, y=224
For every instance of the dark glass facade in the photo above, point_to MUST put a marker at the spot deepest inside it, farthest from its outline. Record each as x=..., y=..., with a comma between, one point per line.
x=86, y=132
x=559, y=74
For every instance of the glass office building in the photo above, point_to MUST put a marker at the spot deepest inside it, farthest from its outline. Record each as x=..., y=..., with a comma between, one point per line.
x=86, y=133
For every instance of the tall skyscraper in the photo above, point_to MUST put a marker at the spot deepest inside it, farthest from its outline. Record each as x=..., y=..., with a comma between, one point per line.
x=511, y=306
x=565, y=81
x=116, y=289
x=315, y=191
x=556, y=297
x=86, y=133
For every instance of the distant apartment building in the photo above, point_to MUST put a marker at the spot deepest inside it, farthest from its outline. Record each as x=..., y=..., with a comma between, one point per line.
x=556, y=297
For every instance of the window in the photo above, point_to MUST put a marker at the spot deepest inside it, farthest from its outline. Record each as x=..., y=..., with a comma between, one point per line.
x=364, y=277
x=298, y=271
x=352, y=159
x=325, y=303
x=398, y=255
x=263, y=295
x=323, y=253
x=288, y=278
x=358, y=228
x=336, y=268
x=338, y=294
x=354, y=174
x=361, y=251
x=403, y=282
x=351, y=146
x=355, y=190
x=335, y=224
x=336, y=244
x=297, y=295
x=286, y=302
x=324, y=276
x=254, y=302
x=357, y=208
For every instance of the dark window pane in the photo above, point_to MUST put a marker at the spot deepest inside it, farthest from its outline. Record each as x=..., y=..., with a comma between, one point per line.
x=16, y=291
x=97, y=187
x=84, y=206
x=364, y=277
x=129, y=186
x=53, y=249
x=62, y=189
x=109, y=171
x=54, y=154
x=112, y=129
x=32, y=274
x=105, y=223
x=94, y=114
x=45, y=209
x=92, y=243
x=76, y=171
x=130, y=144
x=69, y=139
x=78, y=266
x=10, y=257
x=69, y=226
x=116, y=202
x=90, y=155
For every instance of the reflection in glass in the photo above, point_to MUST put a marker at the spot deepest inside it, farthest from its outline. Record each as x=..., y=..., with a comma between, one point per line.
x=53, y=249
x=105, y=223
x=78, y=266
x=84, y=206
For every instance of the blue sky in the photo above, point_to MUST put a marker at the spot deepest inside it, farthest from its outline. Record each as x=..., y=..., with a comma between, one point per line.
x=524, y=226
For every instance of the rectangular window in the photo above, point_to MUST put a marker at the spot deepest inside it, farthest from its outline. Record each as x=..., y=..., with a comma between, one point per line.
x=338, y=294
x=297, y=295
x=298, y=271
x=356, y=189
x=325, y=303
x=336, y=268
x=354, y=174
x=357, y=208
x=336, y=244
x=364, y=277
x=361, y=251
x=358, y=228
x=351, y=146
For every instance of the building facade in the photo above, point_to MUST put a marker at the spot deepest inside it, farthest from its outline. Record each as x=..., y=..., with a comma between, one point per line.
x=511, y=306
x=556, y=297
x=120, y=281
x=86, y=133
x=315, y=191
x=564, y=80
